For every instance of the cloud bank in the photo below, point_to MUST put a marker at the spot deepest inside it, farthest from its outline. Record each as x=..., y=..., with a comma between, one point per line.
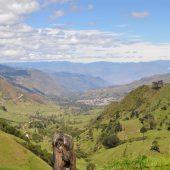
x=12, y=11
x=26, y=43
x=21, y=42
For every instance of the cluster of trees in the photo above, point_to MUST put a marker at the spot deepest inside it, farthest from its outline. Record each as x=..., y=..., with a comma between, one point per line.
x=36, y=149
x=109, y=134
x=7, y=128
x=148, y=121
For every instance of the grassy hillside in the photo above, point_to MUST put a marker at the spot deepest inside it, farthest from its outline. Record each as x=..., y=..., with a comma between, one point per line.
x=143, y=107
x=15, y=157
x=40, y=121
x=141, y=102
x=109, y=138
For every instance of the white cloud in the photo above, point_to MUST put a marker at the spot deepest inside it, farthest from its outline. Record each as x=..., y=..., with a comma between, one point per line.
x=140, y=14
x=21, y=42
x=57, y=14
x=12, y=11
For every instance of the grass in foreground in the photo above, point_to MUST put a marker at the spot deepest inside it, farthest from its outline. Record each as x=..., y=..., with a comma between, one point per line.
x=16, y=157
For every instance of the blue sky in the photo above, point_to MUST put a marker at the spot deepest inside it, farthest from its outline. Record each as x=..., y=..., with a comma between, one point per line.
x=85, y=30
x=110, y=15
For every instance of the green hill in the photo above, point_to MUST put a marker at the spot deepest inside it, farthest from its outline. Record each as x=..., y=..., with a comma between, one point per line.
x=141, y=102
x=143, y=107
x=15, y=157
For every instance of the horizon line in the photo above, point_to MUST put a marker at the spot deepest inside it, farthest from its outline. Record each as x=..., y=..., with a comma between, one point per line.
x=79, y=62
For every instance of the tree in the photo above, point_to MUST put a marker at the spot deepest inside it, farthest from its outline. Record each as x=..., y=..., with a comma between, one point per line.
x=110, y=141
x=155, y=146
x=113, y=127
x=143, y=130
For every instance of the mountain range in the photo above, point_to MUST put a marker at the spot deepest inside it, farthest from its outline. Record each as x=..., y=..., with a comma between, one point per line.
x=56, y=86
x=118, y=92
x=114, y=73
x=69, y=81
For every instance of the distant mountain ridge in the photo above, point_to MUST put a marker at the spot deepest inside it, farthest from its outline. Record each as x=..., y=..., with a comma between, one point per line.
x=118, y=92
x=60, y=80
x=32, y=81
x=56, y=86
x=114, y=73
x=78, y=82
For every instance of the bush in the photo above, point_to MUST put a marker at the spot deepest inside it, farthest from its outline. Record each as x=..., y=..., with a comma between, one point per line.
x=143, y=130
x=110, y=141
x=3, y=108
x=7, y=128
x=155, y=146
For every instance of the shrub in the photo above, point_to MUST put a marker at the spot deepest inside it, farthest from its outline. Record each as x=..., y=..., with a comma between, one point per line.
x=3, y=108
x=155, y=146
x=7, y=128
x=110, y=141
x=143, y=130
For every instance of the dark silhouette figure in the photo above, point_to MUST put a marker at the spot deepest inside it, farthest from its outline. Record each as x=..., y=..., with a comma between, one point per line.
x=63, y=152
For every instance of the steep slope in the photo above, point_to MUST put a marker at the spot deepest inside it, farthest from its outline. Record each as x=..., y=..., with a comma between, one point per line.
x=32, y=81
x=39, y=83
x=9, y=92
x=16, y=157
x=143, y=100
x=54, y=86
x=142, y=107
x=118, y=92
x=78, y=82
